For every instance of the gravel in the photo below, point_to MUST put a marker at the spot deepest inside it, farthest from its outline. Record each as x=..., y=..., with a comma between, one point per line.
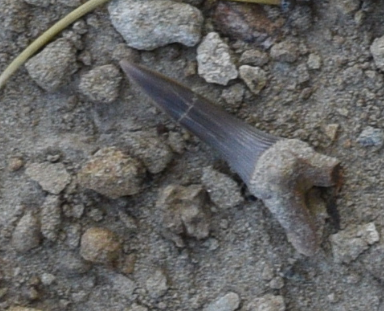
x=26, y=235
x=165, y=22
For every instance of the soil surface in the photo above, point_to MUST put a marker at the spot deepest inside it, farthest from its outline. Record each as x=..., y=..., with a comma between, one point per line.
x=76, y=235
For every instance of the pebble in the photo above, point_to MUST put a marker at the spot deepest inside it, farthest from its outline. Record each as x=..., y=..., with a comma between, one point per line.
x=100, y=245
x=50, y=214
x=222, y=190
x=267, y=302
x=26, y=235
x=15, y=163
x=276, y=283
x=228, y=302
x=331, y=131
x=348, y=244
x=136, y=307
x=147, y=25
x=157, y=284
x=54, y=65
x=254, y=58
x=371, y=136
x=254, y=77
x=377, y=51
x=150, y=149
x=73, y=235
x=112, y=173
x=314, y=61
x=101, y=84
x=52, y=177
x=72, y=265
x=47, y=279
x=41, y=3
x=284, y=52
x=214, y=60
x=123, y=285
x=183, y=210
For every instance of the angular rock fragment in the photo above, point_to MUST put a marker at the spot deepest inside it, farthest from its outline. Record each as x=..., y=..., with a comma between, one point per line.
x=54, y=65
x=254, y=77
x=51, y=217
x=26, y=235
x=222, y=190
x=284, y=52
x=157, y=284
x=267, y=302
x=371, y=136
x=228, y=302
x=149, y=24
x=101, y=84
x=183, y=211
x=100, y=245
x=52, y=177
x=112, y=173
x=377, y=51
x=214, y=61
x=348, y=244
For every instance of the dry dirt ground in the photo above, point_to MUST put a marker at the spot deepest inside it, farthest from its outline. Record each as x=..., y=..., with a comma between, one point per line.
x=66, y=247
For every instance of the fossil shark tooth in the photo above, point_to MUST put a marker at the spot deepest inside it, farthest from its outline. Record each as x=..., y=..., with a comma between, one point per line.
x=277, y=171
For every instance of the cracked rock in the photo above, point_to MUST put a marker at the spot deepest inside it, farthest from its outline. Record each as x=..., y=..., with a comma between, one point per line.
x=228, y=302
x=267, y=302
x=54, y=65
x=348, y=244
x=51, y=217
x=214, y=61
x=26, y=235
x=152, y=151
x=222, y=190
x=183, y=211
x=254, y=77
x=149, y=24
x=112, y=173
x=52, y=177
x=100, y=245
x=101, y=84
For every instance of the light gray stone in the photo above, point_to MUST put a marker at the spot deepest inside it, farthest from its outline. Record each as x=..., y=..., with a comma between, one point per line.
x=228, y=302
x=26, y=235
x=149, y=24
x=254, y=77
x=267, y=302
x=377, y=51
x=157, y=284
x=214, y=60
x=51, y=217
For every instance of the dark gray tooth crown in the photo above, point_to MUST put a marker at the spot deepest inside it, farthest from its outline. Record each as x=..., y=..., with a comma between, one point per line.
x=237, y=142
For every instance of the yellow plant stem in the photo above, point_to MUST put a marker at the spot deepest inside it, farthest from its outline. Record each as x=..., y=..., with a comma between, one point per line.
x=47, y=36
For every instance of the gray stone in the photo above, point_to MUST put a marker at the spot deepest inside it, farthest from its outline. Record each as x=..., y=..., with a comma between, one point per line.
x=183, y=210
x=377, y=51
x=150, y=149
x=314, y=61
x=72, y=265
x=348, y=244
x=112, y=173
x=267, y=302
x=26, y=235
x=373, y=261
x=52, y=177
x=347, y=6
x=371, y=136
x=228, y=302
x=157, y=284
x=101, y=84
x=214, y=60
x=285, y=52
x=41, y=3
x=51, y=217
x=234, y=94
x=54, y=65
x=254, y=77
x=254, y=58
x=222, y=190
x=149, y=24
